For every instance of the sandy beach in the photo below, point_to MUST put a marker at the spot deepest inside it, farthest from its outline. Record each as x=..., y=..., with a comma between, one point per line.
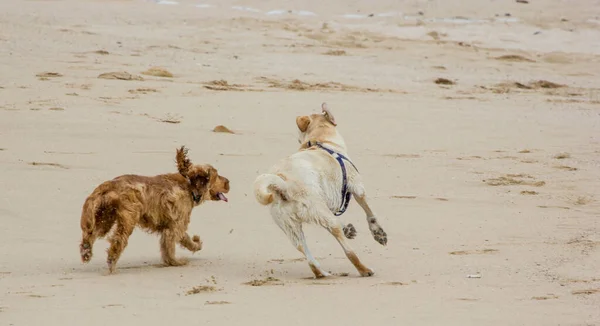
x=475, y=125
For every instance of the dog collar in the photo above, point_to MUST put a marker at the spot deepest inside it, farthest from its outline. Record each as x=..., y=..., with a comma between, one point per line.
x=195, y=198
x=346, y=194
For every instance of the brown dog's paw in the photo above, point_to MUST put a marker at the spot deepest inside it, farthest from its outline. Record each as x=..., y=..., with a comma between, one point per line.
x=177, y=262
x=349, y=231
x=198, y=242
x=86, y=252
x=111, y=265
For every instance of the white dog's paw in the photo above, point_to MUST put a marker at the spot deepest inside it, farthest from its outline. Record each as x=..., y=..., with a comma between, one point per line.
x=378, y=233
x=349, y=231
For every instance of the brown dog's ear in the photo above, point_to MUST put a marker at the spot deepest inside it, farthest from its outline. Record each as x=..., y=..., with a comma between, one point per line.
x=328, y=115
x=303, y=122
x=210, y=171
x=183, y=162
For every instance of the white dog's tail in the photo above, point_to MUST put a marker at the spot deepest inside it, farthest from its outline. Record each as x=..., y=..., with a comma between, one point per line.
x=269, y=188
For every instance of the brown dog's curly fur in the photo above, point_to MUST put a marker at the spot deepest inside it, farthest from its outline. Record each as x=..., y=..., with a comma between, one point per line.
x=159, y=204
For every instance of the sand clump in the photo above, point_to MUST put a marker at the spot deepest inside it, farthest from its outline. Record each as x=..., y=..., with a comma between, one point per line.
x=298, y=85
x=514, y=179
x=562, y=156
x=158, y=72
x=223, y=129
x=223, y=85
x=49, y=74
x=120, y=75
x=266, y=281
x=473, y=252
x=565, y=168
x=529, y=192
x=202, y=289
x=336, y=53
x=444, y=81
x=170, y=119
x=533, y=85
x=143, y=90
x=514, y=58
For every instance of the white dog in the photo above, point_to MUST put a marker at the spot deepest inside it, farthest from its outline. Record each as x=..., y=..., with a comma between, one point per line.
x=315, y=185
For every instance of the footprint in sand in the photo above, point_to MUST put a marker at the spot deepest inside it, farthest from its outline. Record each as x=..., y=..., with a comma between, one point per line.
x=202, y=289
x=56, y=165
x=264, y=282
x=545, y=297
x=473, y=252
x=514, y=179
x=586, y=291
x=216, y=302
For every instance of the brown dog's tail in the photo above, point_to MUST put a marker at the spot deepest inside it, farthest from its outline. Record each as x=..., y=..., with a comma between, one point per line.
x=183, y=162
x=270, y=187
x=88, y=213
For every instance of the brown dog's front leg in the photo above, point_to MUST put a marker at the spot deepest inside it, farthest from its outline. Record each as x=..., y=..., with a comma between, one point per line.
x=194, y=244
x=167, y=249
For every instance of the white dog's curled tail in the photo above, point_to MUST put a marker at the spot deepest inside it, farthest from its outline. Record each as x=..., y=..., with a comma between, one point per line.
x=269, y=188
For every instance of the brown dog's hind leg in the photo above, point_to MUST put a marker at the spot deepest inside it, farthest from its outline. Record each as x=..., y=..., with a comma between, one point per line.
x=86, y=246
x=168, y=239
x=118, y=241
x=102, y=227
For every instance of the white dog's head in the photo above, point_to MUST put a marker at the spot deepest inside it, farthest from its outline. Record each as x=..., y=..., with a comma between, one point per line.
x=319, y=127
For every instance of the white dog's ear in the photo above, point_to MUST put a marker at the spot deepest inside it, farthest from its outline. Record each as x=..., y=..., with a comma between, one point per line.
x=328, y=115
x=303, y=122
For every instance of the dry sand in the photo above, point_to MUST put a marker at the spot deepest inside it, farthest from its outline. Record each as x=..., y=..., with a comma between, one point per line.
x=486, y=172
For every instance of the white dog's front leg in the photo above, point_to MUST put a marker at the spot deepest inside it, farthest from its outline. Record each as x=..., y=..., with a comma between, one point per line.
x=376, y=230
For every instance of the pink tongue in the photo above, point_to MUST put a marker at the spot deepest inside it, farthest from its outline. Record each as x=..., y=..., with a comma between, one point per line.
x=222, y=197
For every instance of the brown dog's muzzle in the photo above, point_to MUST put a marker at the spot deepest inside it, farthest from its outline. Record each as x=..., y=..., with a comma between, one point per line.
x=226, y=184
x=221, y=188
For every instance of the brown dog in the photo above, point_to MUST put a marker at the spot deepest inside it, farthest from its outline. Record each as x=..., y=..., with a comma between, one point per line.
x=161, y=204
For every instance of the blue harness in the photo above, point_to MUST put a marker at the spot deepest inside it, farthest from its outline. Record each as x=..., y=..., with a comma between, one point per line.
x=346, y=195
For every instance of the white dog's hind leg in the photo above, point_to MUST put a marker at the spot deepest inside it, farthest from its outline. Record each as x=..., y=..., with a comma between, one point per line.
x=293, y=231
x=312, y=262
x=376, y=230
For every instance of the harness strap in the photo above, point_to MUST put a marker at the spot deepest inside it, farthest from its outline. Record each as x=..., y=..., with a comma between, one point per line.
x=346, y=195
